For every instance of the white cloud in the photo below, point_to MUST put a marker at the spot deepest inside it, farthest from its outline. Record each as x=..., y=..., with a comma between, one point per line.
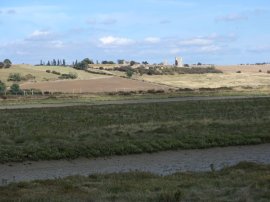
x=152, y=40
x=57, y=44
x=38, y=35
x=259, y=49
x=196, y=42
x=209, y=49
x=115, y=41
x=232, y=17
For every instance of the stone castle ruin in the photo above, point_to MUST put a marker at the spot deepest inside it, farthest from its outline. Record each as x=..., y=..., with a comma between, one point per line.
x=179, y=62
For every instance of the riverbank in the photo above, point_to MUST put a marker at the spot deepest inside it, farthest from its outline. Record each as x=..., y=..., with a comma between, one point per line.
x=162, y=163
x=244, y=182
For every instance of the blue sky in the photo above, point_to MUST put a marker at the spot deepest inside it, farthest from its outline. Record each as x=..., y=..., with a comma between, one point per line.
x=214, y=32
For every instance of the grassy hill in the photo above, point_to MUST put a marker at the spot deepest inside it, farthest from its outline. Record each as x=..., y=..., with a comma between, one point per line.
x=40, y=74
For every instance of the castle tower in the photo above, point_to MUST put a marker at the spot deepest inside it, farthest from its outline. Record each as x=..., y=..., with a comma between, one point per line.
x=179, y=62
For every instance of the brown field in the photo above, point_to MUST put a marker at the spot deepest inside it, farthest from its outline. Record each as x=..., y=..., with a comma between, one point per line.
x=109, y=84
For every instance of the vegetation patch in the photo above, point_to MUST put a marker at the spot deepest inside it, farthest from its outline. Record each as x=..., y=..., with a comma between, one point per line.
x=92, y=131
x=244, y=182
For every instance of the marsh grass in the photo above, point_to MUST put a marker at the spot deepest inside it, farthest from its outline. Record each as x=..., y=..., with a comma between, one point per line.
x=93, y=131
x=244, y=182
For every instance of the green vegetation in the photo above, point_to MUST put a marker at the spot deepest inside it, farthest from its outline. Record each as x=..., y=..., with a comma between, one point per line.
x=91, y=131
x=17, y=77
x=2, y=88
x=244, y=182
x=5, y=64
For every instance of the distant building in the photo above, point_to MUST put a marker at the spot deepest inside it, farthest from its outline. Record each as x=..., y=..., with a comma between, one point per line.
x=179, y=62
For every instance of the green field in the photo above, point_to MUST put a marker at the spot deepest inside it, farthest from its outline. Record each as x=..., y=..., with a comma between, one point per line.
x=244, y=182
x=91, y=131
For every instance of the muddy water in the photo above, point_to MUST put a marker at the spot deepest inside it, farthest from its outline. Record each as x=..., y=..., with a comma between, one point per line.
x=162, y=163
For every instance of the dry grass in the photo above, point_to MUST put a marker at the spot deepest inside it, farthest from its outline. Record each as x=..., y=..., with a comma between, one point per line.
x=65, y=70
x=196, y=81
x=41, y=75
x=244, y=68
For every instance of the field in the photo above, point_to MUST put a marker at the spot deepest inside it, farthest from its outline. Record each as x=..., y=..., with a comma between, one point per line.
x=244, y=182
x=91, y=131
x=196, y=81
x=41, y=75
x=244, y=68
x=108, y=84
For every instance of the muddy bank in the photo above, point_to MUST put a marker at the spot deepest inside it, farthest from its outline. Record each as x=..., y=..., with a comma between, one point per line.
x=162, y=163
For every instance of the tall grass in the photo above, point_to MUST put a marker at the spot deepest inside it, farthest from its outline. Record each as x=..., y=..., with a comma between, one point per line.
x=71, y=132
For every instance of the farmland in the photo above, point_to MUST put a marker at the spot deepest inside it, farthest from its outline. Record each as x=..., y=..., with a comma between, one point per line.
x=196, y=81
x=244, y=182
x=91, y=131
x=97, y=85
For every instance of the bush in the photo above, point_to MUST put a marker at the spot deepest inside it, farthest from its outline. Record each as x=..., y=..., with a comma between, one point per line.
x=55, y=72
x=2, y=88
x=239, y=72
x=2, y=65
x=68, y=76
x=268, y=72
x=15, y=77
x=48, y=71
x=15, y=89
x=129, y=73
x=28, y=77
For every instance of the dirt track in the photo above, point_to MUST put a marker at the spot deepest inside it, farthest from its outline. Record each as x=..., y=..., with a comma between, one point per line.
x=162, y=163
x=120, y=102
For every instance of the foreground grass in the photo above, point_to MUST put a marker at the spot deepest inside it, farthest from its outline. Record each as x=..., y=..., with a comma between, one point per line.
x=72, y=132
x=244, y=182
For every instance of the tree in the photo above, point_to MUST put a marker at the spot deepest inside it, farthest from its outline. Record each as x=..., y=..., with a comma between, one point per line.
x=48, y=63
x=15, y=89
x=7, y=63
x=64, y=62
x=54, y=62
x=145, y=63
x=132, y=63
x=120, y=62
x=87, y=61
x=129, y=73
x=58, y=62
x=2, y=88
x=2, y=65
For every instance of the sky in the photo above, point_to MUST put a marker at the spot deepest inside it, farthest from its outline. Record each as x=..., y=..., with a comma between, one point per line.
x=206, y=31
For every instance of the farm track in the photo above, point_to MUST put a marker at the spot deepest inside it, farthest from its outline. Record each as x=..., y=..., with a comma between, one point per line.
x=135, y=101
x=162, y=163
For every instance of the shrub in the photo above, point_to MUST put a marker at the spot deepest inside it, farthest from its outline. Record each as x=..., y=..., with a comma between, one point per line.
x=129, y=73
x=260, y=70
x=28, y=77
x=55, y=72
x=48, y=71
x=239, y=72
x=268, y=72
x=2, y=65
x=15, y=89
x=2, y=87
x=68, y=76
x=15, y=77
